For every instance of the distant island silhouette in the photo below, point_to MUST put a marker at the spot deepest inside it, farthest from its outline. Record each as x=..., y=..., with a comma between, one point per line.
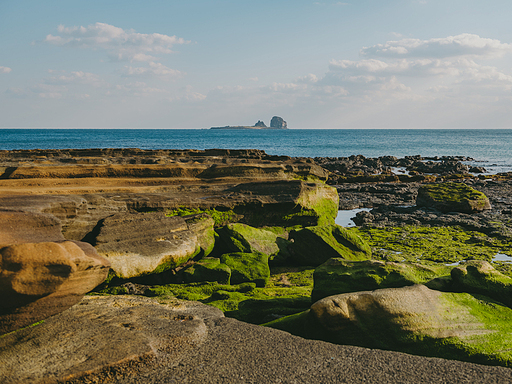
x=276, y=123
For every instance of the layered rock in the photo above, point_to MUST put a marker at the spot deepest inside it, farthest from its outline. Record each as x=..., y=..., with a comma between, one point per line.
x=145, y=243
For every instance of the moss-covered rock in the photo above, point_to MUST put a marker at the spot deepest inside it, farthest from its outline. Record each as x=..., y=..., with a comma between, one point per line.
x=337, y=276
x=202, y=226
x=480, y=277
x=207, y=269
x=238, y=237
x=452, y=197
x=414, y=320
x=247, y=267
x=316, y=245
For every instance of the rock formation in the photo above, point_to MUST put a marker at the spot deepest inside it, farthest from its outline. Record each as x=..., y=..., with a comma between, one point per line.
x=278, y=123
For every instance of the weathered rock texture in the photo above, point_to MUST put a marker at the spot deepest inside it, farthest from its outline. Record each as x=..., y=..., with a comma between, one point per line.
x=143, y=243
x=278, y=123
x=196, y=345
x=103, y=337
x=38, y=280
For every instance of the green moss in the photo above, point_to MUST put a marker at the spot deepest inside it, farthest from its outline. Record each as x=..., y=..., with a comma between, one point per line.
x=244, y=238
x=457, y=197
x=207, y=269
x=247, y=267
x=338, y=276
x=434, y=244
x=315, y=245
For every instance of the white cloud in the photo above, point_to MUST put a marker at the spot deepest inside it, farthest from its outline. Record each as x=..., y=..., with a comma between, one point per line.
x=120, y=44
x=5, y=69
x=153, y=69
x=465, y=44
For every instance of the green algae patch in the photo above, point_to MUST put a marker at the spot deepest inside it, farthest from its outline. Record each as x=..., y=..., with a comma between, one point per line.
x=238, y=237
x=481, y=278
x=452, y=197
x=315, y=245
x=207, y=269
x=338, y=276
x=459, y=326
x=431, y=244
x=247, y=267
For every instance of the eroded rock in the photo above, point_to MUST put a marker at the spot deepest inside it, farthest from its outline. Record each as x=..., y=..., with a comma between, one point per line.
x=452, y=197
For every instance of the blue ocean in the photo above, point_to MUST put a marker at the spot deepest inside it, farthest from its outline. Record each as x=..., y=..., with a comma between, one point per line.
x=491, y=148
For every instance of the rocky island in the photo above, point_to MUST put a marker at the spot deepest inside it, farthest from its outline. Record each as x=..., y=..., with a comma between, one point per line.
x=276, y=123
x=151, y=266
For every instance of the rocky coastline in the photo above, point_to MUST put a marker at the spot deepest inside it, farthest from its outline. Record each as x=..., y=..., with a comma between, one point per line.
x=129, y=265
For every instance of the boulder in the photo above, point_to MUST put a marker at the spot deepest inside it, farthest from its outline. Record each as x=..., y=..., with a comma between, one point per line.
x=278, y=123
x=148, y=243
x=104, y=337
x=238, y=237
x=315, y=245
x=202, y=226
x=337, y=276
x=452, y=197
x=247, y=267
x=38, y=280
x=478, y=276
x=412, y=319
x=207, y=269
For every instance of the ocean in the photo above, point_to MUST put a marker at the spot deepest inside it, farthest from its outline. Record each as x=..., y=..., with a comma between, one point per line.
x=491, y=148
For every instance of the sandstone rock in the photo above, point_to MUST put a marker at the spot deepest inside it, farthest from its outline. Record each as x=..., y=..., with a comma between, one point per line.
x=104, y=337
x=146, y=243
x=207, y=269
x=452, y=197
x=38, y=280
x=247, y=267
x=315, y=245
x=244, y=238
x=278, y=123
x=27, y=227
x=337, y=276
x=411, y=319
x=478, y=276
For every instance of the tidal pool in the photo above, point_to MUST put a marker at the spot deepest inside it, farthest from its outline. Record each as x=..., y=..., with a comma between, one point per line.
x=344, y=217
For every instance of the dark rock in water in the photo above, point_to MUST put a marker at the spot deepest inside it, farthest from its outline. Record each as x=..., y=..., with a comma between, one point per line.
x=38, y=280
x=260, y=124
x=278, y=123
x=452, y=197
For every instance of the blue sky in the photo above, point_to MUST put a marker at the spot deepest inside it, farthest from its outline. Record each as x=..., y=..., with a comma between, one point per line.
x=197, y=63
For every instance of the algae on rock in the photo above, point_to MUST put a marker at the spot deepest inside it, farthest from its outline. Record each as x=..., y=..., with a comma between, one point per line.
x=247, y=267
x=337, y=276
x=452, y=197
x=315, y=245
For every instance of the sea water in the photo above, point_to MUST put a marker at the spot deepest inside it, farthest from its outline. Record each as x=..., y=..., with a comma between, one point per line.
x=491, y=148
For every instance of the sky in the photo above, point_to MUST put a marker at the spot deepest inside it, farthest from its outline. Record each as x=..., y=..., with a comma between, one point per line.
x=199, y=63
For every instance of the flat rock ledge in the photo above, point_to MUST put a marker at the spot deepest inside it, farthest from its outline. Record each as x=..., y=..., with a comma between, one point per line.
x=122, y=339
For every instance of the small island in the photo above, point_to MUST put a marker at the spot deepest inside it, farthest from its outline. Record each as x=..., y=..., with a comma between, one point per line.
x=276, y=123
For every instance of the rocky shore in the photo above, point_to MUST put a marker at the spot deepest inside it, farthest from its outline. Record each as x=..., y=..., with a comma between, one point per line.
x=184, y=249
